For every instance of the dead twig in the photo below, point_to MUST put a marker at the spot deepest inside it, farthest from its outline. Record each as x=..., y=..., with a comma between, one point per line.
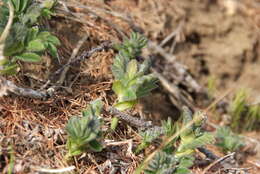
x=62, y=170
x=84, y=55
x=73, y=55
x=173, y=34
x=182, y=73
x=7, y=86
x=129, y=119
x=208, y=153
x=173, y=90
x=217, y=161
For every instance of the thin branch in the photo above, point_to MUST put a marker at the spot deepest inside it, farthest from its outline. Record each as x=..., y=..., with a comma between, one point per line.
x=217, y=161
x=129, y=119
x=7, y=86
x=62, y=170
x=84, y=55
x=73, y=55
x=208, y=153
x=174, y=33
x=173, y=90
x=181, y=70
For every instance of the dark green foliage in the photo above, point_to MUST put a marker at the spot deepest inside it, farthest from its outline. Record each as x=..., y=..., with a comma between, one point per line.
x=27, y=41
x=84, y=132
x=227, y=140
x=132, y=78
x=164, y=163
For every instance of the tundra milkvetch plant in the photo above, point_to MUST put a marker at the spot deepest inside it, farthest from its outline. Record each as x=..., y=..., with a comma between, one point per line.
x=227, y=140
x=193, y=137
x=132, y=80
x=176, y=157
x=25, y=40
x=84, y=132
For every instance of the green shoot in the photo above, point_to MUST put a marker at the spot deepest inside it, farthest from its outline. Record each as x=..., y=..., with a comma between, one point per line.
x=26, y=41
x=132, y=80
x=244, y=116
x=238, y=108
x=12, y=160
x=227, y=140
x=84, y=132
x=211, y=86
x=180, y=144
x=193, y=137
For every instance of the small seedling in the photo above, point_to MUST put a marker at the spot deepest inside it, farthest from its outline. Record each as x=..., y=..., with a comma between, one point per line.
x=25, y=41
x=182, y=140
x=132, y=80
x=164, y=163
x=84, y=132
x=243, y=115
x=193, y=137
x=227, y=140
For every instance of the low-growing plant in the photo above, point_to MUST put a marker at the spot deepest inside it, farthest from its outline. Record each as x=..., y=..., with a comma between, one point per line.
x=164, y=163
x=26, y=40
x=227, y=140
x=243, y=115
x=132, y=78
x=182, y=147
x=84, y=132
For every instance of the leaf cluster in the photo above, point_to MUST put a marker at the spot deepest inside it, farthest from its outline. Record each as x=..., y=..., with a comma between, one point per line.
x=27, y=41
x=164, y=163
x=84, y=132
x=193, y=137
x=132, y=80
x=227, y=140
x=179, y=152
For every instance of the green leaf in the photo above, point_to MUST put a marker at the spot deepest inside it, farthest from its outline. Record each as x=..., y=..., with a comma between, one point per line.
x=16, y=4
x=118, y=88
x=35, y=45
x=29, y=57
x=131, y=69
x=121, y=106
x=13, y=49
x=52, y=50
x=48, y=4
x=43, y=35
x=94, y=108
x=9, y=69
x=182, y=171
x=95, y=146
x=32, y=33
x=206, y=138
x=53, y=39
x=145, y=85
x=24, y=5
x=114, y=123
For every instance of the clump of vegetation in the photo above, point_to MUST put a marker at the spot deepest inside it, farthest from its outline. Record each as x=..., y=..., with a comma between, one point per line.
x=227, y=140
x=84, y=132
x=26, y=40
x=176, y=157
x=164, y=163
x=132, y=80
x=244, y=116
